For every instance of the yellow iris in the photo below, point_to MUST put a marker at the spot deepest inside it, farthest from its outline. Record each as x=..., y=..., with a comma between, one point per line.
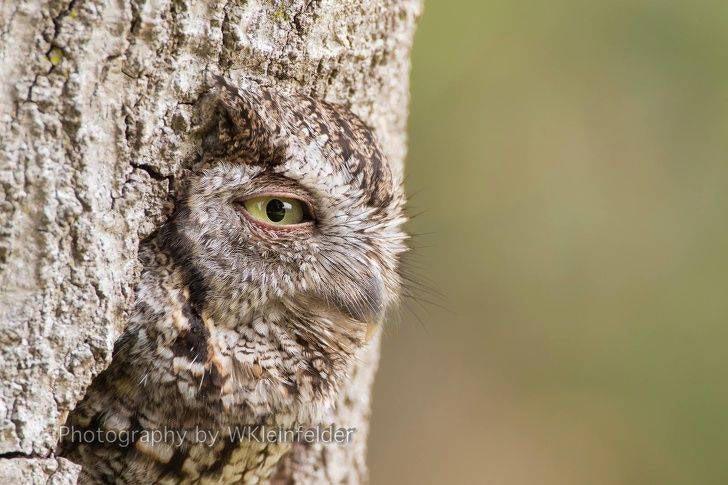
x=277, y=211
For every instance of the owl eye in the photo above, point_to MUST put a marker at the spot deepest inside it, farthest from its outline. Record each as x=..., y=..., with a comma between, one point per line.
x=277, y=211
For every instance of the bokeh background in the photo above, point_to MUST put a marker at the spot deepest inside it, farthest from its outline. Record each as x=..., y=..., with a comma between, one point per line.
x=570, y=159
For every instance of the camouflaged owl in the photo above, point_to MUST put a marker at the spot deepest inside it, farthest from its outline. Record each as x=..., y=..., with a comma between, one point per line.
x=280, y=258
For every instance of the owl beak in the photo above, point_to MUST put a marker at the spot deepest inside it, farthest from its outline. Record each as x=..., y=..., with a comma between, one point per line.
x=365, y=303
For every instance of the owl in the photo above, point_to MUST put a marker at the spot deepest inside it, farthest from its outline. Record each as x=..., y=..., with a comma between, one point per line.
x=279, y=260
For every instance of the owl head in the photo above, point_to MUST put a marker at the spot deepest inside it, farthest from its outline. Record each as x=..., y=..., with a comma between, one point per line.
x=288, y=231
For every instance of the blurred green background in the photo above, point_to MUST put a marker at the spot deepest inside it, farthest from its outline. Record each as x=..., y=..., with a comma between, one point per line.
x=571, y=160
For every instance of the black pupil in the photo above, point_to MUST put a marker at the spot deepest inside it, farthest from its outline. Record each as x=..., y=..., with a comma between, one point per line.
x=275, y=210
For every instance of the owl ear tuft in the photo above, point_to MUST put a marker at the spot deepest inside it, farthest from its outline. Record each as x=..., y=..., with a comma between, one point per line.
x=234, y=125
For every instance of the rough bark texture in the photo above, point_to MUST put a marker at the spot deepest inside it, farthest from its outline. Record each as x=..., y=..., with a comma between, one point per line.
x=97, y=100
x=39, y=471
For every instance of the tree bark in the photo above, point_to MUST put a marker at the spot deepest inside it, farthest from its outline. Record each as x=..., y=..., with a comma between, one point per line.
x=97, y=99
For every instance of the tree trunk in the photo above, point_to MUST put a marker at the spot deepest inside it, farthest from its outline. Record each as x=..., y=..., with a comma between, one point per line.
x=96, y=103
